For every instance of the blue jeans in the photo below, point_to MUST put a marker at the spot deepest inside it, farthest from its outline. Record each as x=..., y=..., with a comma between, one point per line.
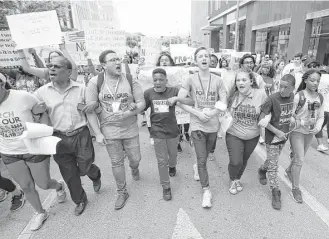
x=116, y=149
x=203, y=143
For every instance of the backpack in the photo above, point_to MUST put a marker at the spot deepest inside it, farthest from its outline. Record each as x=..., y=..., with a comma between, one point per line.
x=302, y=100
x=100, y=80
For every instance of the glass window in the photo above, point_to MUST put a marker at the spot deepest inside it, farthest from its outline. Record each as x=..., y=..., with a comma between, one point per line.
x=261, y=37
x=232, y=36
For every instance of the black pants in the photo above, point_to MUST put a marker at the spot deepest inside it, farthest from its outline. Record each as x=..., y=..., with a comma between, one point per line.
x=6, y=184
x=75, y=157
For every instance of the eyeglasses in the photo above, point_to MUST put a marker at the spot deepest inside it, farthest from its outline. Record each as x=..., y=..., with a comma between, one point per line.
x=248, y=63
x=114, y=60
x=54, y=65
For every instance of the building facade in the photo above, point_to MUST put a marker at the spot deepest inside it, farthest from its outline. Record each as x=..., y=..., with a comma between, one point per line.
x=270, y=27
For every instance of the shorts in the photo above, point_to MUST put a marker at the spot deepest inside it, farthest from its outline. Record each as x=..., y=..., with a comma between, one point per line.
x=30, y=158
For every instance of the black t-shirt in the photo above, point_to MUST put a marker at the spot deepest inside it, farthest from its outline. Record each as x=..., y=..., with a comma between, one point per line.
x=281, y=109
x=163, y=118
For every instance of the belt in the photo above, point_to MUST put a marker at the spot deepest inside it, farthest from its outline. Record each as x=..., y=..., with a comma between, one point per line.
x=71, y=133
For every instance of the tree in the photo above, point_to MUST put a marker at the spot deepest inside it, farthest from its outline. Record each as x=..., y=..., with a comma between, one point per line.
x=16, y=7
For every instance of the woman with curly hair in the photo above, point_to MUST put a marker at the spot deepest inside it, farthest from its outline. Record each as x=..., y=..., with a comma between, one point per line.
x=223, y=63
x=244, y=102
x=309, y=117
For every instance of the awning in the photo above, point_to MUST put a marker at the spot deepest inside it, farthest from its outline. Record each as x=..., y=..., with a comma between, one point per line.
x=209, y=27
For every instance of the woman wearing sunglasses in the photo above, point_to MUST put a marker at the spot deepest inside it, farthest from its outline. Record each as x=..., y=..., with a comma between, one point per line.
x=16, y=108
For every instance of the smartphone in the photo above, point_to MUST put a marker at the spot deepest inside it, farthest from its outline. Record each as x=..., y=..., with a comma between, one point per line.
x=81, y=106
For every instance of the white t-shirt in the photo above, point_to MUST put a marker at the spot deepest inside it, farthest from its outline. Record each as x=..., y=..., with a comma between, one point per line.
x=15, y=111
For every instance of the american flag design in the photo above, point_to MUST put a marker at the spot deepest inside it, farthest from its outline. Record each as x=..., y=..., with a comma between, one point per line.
x=77, y=36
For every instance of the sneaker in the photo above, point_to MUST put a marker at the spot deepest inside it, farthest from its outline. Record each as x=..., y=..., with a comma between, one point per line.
x=80, y=208
x=297, y=195
x=211, y=157
x=321, y=148
x=135, y=174
x=187, y=137
x=196, y=173
x=206, y=202
x=3, y=195
x=262, y=176
x=17, y=202
x=172, y=172
x=276, y=198
x=167, y=194
x=288, y=175
x=239, y=186
x=233, y=190
x=61, y=194
x=261, y=140
x=121, y=200
x=38, y=221
x=152, y=141
x=179, y=148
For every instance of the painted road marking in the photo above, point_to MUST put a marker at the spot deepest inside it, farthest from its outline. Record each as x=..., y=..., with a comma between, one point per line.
x=184, y=228
x=311, y=201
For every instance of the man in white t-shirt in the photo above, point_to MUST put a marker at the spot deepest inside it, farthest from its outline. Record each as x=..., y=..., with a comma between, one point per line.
x=295, y=66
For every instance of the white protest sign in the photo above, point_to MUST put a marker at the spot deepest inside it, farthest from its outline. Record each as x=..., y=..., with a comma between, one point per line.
x=9, y=57
x=30, y=30
x=151, y=48
x=75, y=45
x=100, y=36
x=181, y=53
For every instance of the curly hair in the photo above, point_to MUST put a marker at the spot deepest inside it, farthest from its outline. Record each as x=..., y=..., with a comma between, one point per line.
x=306, y=75
x=221, y=62
x=172, y=63
x=271, y=72
x=234, y=90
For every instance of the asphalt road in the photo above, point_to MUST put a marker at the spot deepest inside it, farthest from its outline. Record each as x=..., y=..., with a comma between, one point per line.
x=146, y=215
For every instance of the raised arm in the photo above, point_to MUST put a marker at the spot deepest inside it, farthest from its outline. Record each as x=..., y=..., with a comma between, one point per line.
x=39, y=72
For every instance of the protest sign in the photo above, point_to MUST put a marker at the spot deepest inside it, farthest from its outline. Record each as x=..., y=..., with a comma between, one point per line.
x=181, y=53
x=235, y=58
x=151, y=48
x=30, y=30
x=75, y=45
x=100, y=36
x=9, y=57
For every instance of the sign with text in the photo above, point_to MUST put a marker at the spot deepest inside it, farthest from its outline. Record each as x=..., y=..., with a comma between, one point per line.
x=9, y=57
x=75, y=45
x=181, y=53
x=100, y=36
x=30, y=30
x=151, y=48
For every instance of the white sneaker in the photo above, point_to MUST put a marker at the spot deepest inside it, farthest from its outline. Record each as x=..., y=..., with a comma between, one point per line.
x=211, y=157
x=322, y=147
x=38, y=220
x=239, y=186
x=206, y=202
x=196, y=173
x=232, y=188
x=61, y=194
x=151, y=141
x=261, y=140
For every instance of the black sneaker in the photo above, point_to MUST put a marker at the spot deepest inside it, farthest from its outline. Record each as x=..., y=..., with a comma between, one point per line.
x=187, y=137
x=97, y=185
x=276, y=198
x=262, y=176
x=179, y=148
x=167, y=194
x=80, y=208
x=17, y=202
x=172, y=172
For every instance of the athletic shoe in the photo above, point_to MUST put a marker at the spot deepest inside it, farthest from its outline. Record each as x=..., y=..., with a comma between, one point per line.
x=167, y=194
x=233, y=190
x=172, y=171
x=80, y=208
x=121, y=200
x=211, y=157
x=61, y=194
x=262, y=176
x=196, y=172
x=321, y=148
x=276, y=198
x=297, y=195
x=38, y=221
x=239, y=186
x=261, y=140
x=206, y=202
x=17, y=202
x=3, y=195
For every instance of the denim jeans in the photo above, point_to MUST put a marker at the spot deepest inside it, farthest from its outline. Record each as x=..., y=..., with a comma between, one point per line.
x=300, y=143
x=166, y=153
x=117, y=149
x=239, y=152
x=203, y=143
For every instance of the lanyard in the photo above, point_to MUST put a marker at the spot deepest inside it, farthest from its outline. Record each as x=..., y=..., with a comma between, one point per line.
x=115, y=89
x=205, y=93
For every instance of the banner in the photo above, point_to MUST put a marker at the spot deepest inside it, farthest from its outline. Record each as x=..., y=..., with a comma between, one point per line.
x=151, y=48
x=100, y=36
x=30, y=30
x=9, y=57
x=181, y=53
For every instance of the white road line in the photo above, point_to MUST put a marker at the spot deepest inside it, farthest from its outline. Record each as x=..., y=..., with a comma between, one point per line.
x=27, y=233
x=311, y=201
